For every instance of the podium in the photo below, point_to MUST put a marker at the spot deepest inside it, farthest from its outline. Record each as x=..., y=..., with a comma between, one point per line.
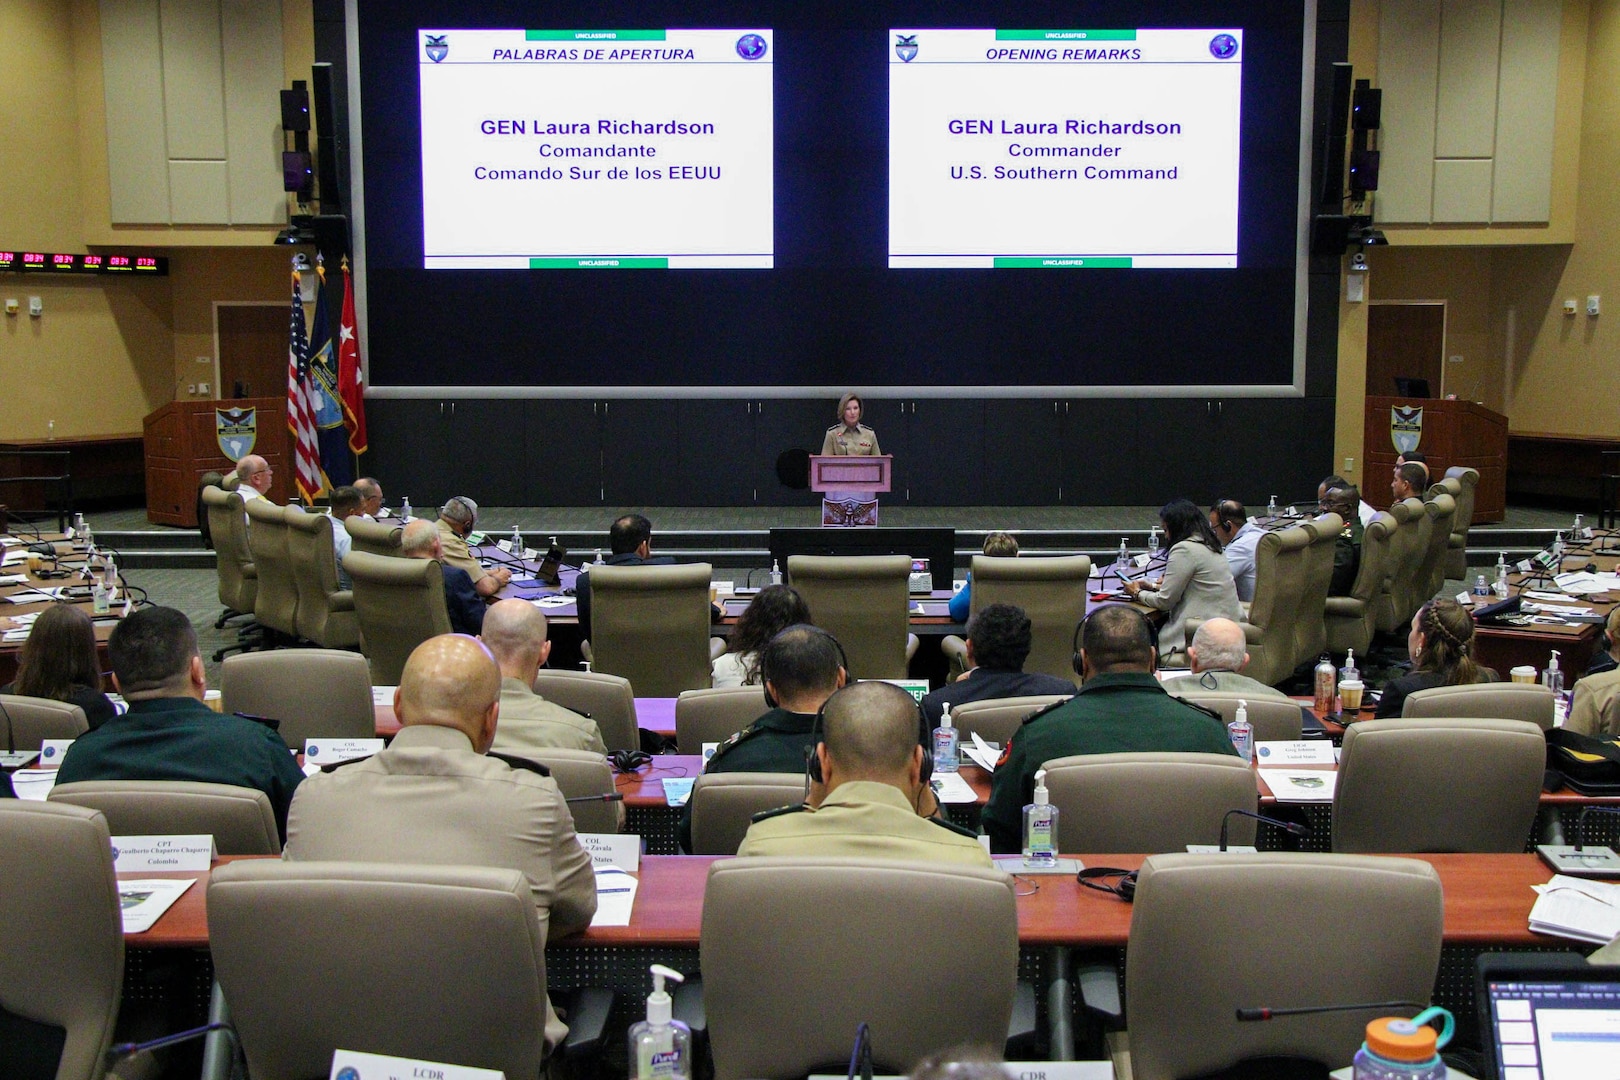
x=185, y=439
x=848, y=487
x=1448, y=433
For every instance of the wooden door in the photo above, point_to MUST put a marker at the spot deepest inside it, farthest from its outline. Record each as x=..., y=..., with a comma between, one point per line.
x=1405, y=341
x=252, y=350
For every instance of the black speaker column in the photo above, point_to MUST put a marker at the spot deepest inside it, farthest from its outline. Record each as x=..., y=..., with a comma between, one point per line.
x=326, y=141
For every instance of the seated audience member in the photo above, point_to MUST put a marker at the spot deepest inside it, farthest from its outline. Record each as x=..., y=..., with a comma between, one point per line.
x=1595, y=708
x=872, y=785
x=371, y=498
x=1441, y=643
x=1364, y=509
x=1001, y=545
x=1218, y=654
x=1347, y=545
x=457, y=519
x=168, y=733
x=1603, y=659
x=1414, y=458
x=1197, y=581
x=630, y=541
x=1239, y=536
x=515, y=634
x=434, y=797
x=774, y=609
x=998, y=643
x=1410, y=481
x=254, y=477
x=1119, y=708
x=346, y=502
x=58, y=661
x=420, y=540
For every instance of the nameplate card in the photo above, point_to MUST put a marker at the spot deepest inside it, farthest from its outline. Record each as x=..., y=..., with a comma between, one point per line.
x=52, y=751
x=1024, y=1070
x=383, y=695
x=1216, y=849
x=132, y=854
x=917, y=688
x=353, y=1065
x=619, y=850
x=332, y=751
x=708, y=752
x=1289, y=752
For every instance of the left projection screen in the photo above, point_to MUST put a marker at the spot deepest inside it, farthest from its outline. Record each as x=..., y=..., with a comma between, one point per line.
x=597, y=149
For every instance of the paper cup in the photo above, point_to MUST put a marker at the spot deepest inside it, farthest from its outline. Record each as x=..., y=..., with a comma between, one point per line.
x=1523, y=674
x=1350, y=695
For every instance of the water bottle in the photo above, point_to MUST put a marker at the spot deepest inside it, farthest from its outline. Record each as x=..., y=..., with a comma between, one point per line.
x=946, y=740
x=1399, y=1049
x=1241, y=732
x=1501, y=586
x=1480, y=588
x=405, y=510
x=1271, y=507
x=1326, y=690
x=776, y=573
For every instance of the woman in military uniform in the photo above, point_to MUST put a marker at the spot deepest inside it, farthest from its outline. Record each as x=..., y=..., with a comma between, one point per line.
x=849, y=437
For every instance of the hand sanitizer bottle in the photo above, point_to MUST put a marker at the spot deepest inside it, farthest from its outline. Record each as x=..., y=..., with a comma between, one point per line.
x=946, y=740
x=1153, y=541
x=1271, y=507
x=1500, y=585
x=517, y=543
x=1553, y=677
x=660, y=1046
x=1124, y=554
x=1241, y=732
x=1350, y=673
x=1040, y=826
x=102, y=589
x=776, y=573
x=405, y=510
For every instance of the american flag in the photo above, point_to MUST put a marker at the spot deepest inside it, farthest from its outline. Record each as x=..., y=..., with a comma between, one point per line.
x=300, y=407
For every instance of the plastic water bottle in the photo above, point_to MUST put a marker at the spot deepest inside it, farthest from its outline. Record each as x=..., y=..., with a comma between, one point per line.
x=1326, y=690
x=1271, y=507
x=776, y=573
x=1501, y=584
x=405, y=510
x=1241, y=732
x=1480, y=588
x=1040, y=826
x=1399, y=1049
x=946, y=741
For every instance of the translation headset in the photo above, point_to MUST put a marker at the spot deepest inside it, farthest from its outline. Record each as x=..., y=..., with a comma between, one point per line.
x=465, y=504
x=1080, y=630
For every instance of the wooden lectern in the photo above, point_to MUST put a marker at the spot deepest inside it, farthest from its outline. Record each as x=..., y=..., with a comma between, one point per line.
x=849, y=486
x=184, y=440
x=1448, y=433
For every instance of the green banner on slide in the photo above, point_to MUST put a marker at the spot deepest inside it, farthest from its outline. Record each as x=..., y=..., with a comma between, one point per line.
x=1065, y=35
x=600, y=262
x=1063, y=262
x=593, y=35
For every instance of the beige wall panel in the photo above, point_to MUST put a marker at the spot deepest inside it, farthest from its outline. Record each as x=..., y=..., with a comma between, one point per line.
x=198, y=191
x=132, y=66
x=1408, y=62
x=1465, y=105
x=1526, y=111
x=193, y=79
x=39, y=201
x=1462, y=192
x=251, y=33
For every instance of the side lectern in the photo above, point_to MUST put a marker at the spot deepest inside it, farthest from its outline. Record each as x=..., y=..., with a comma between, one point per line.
x=849, y=487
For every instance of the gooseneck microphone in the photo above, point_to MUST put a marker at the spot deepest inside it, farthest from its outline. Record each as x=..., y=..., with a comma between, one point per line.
x=1263, y=1013
x=616, y=796
x=1290, y=827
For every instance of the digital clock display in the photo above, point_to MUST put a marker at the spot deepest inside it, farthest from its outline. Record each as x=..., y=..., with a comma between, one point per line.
x=64, y=262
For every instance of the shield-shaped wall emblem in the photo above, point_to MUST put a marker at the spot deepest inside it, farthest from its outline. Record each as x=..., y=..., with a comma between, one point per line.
x=905, y=47
x=236, y=430
x=437, y=47
x=1405, y=428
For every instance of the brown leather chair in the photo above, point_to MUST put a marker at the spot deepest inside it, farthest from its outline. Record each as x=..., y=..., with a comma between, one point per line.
x=1500, y=701
x=715, y=715
x=1150, y=802
x=724, y=805
x=582, y=774
x=606, y=699
x=400, y=604
x=784, y=995
x=1350, y=620
x=33, y=720
x=1051, y=590
x=1460, y=483
x=1310, y=615
x=650, y=624
x=1279, y=583
x=1182, y=981
x=1411, y=543
x=373, y=537
x=62, y=938
x=1273, y=719
x=1431, y=577
x=325, y=612
x=276, y=605
x=238, y=578
x=239, y=819
x=452, y=968
x=996, y=719
x=1438, y=785
x=865, y=602
x=315, y=693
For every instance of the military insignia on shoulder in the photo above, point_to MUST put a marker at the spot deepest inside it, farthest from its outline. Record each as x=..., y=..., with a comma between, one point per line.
x=1206, y=710
x=766, y=815
x=745, y=733
x=1038, y=713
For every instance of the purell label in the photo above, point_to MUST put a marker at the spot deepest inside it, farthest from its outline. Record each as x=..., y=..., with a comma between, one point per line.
x=1040, y=837
x=656, y=1063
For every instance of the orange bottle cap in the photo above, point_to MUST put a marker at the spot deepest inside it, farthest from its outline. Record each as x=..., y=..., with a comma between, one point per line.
x=1398, y=1039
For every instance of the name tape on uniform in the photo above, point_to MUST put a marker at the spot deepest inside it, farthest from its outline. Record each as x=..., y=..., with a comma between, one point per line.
x=132, y=854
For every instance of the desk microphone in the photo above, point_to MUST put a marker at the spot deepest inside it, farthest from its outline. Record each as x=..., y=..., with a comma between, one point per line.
x=1290, y=827
x=11, y=734
x=118, y=1051
x=1263, y=1013
x=1580, y=861
x=616, y=796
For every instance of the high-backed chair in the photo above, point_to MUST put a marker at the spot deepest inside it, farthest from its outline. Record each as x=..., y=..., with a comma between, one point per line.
x=325, y=612
x=1350, y=620
x=1412, y=532
x=315, y=693
x=452, y=967
x=651, y=625
x=33, y=720
x=581, y=774
x=607, y=699
x=276, y=605
x=1182, y=983
x=239, y=819
x=400, y=604
x=1273, y=719
x=1279, y=582
x=238, y=578
x=1438, y=785
x=865, y=602
x=758, y=974
x=1310, y=616
x=1465, y=481
x=57, y=891
x=1441, y=511
x=1052, y=592
x=1150, y=802
x=1500, y=701
x=724, y=805
x=996, y=719
x=715, y=715
x=373, y=537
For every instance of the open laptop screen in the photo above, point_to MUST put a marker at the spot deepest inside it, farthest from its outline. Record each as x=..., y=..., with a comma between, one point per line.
x=1556, y=1018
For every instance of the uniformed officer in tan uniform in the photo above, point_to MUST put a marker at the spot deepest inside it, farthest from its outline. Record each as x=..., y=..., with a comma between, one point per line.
x=871, y=772
x=433, y=797
x=456, y=521
x=515, y=634
x=849, y=437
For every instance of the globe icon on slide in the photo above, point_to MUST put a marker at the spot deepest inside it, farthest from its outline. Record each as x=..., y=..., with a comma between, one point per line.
x=750, y=46
x=1223, y=46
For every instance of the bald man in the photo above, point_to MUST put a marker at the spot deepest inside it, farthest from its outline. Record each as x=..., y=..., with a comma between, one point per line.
x=515, y=634
x=434, y=797
x=1217, y=654
x=254, y=475
x=872, y=790
x=420, y=540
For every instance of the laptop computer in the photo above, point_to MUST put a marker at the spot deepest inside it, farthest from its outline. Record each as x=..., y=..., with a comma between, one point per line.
x=1548, y=1016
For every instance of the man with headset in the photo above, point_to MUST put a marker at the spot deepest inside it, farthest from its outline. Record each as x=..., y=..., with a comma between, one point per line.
x=1595, y=708
x=873, y=774
x=1120, y=708
x=457, y=519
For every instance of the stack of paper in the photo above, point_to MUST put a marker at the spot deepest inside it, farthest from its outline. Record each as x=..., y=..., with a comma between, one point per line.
x=615, y=897
x=1577, y=908
x=951, y=788
x=33, y=784
x=1300, y=785
x=144, y=902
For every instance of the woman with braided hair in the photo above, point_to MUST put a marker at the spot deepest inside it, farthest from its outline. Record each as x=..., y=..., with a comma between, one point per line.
x=1442, y=648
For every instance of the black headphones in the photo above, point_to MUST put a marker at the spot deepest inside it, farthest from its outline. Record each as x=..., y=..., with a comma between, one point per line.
x=765, y=678
x=1080, y=629
x=818, y=729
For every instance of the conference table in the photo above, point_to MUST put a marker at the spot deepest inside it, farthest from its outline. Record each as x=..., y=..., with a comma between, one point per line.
x=67, y=556
x=1504, y=647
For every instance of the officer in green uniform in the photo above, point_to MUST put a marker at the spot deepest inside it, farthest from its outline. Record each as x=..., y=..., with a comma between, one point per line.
x=1345, y=502
x=849, y=437
x=870, y=765
x=1120, y=708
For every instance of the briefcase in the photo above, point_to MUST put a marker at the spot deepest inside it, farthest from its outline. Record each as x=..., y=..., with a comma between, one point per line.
x=1589, y=764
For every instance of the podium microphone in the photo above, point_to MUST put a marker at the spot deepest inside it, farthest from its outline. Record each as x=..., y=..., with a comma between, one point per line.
x=1263, y=1013
x=1581, y=861
x=1290, y=827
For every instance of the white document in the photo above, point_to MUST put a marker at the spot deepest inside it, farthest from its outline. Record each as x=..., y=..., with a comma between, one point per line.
x=677, y=789
x=615, y=897
x=320, y=752
x=133, y=854
x=983, y=754
x=34, y=596
x=33, y=784
x=621, y=851
x=1294, y=752
x=1300, y=785
x=951, y=788
x=144, y=902
x=13, y=579
x=383, y=695
x=347, y=1063
x=1577, y=908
